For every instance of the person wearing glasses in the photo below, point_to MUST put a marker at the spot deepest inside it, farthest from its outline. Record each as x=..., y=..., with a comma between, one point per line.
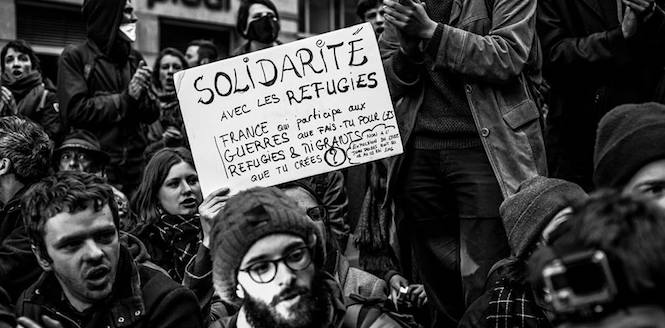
x=268, y=259
x=198, y=275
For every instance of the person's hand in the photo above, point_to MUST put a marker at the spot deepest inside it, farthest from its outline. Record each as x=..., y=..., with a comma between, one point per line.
x=642, y=8
x=24, y=322
x=629, y=23
x=171, y=134
x=396, y=282
x=417, y=295
x=141, y=80
x=410, y=18
x=7, y=102
x=209, y=208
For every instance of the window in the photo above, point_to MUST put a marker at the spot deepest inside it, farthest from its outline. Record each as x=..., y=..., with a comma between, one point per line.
x=320, y=16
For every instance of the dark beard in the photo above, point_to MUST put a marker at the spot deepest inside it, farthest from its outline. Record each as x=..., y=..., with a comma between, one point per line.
x=313, y=310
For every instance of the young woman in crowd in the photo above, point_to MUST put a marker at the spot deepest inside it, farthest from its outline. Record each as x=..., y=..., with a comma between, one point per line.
x=167, y=203
x=24, y=91
x=169, y=129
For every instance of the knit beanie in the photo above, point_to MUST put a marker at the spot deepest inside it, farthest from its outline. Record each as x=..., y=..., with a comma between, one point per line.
x=628, y=138
x=526, y=213
x=247, y=217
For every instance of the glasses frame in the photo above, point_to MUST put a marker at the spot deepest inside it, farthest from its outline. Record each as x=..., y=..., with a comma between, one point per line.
x=274, y=265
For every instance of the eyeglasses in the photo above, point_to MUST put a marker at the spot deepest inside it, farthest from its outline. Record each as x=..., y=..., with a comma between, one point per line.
x=318, y=213
x=265, y=271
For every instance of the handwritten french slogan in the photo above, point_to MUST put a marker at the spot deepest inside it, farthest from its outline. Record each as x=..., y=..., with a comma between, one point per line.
x=276, y=115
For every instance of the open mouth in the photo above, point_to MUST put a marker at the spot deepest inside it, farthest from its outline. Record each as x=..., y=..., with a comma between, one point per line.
x=98, y=276
x=189, y=202
x=17, y=72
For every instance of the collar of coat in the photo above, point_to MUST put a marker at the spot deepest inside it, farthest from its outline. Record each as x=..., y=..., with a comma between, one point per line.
x=125, y=305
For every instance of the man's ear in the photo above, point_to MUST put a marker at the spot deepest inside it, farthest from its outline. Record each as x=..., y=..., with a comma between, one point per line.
x=5, y=165
x=43, y=263
x=204, y=61
x=240, y=292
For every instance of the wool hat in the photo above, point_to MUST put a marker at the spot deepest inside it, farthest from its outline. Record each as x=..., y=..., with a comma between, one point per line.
x=247, y=217
x=628, y=138
x=86, y=141
x=526, y=213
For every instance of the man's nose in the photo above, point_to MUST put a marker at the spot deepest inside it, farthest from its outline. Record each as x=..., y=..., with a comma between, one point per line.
x=285, y=275
x=380, y=18
x=92, y=251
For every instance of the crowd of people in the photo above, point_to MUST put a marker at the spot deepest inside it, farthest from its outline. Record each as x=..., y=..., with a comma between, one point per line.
x=531, y=190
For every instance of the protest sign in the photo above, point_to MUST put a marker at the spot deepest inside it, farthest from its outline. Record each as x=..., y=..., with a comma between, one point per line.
x=287, y=112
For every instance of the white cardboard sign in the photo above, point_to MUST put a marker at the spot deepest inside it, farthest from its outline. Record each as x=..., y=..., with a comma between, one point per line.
x=307, y=107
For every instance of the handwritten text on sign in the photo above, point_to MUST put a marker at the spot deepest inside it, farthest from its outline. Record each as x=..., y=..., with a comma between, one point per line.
x=287, y=112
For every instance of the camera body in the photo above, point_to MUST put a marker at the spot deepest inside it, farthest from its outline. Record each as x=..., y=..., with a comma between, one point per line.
x=580, y=283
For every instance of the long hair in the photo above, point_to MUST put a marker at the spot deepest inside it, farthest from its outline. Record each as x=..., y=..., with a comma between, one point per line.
x=145, y=200
x=158, y=62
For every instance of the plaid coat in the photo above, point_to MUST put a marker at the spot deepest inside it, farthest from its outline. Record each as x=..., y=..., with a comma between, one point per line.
x=504, y=306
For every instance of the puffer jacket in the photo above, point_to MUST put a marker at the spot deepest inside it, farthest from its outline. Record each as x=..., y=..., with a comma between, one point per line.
x=497, y=55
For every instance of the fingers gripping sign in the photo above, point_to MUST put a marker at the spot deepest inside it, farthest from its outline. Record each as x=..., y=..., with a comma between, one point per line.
x=209, y=208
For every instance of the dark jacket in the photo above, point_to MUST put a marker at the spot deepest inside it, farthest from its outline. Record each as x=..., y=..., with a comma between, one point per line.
x=18, y=266
x=496, y=54
x=591, y=69
x=141, y=297
x=347, y=312
x=93, y=80
x=7, y=319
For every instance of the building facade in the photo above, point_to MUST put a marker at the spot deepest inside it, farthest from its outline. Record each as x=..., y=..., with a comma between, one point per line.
x=51, y=25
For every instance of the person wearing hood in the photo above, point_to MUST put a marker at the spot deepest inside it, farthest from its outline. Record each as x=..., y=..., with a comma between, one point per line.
x=23, y=90
x=105, y=88
x=258, y=22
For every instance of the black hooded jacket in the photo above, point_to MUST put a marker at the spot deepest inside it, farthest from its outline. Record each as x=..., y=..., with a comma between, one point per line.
x=93, y=80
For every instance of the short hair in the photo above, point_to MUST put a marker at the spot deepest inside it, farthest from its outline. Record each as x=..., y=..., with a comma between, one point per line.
x=27, y=146
x=631, y=232
x=67, y=191
x=155, y=68
x=146, y=200
x=206, y=49
x=24, y=47
x=243, y=13
x=365, y=5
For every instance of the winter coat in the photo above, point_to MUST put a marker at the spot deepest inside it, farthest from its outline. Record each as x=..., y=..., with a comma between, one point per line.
x=591, y=69
x=497, y=56
x=18, y=265
x=93, y=80
x=141, y=297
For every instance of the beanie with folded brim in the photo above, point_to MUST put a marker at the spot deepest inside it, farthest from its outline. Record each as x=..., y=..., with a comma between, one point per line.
x=628, y=138
x=526, y=213
x=248, y=217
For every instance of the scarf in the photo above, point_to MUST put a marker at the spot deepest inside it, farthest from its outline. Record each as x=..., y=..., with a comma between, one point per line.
x=169, y=115
x=27, y=90
x=178, y=238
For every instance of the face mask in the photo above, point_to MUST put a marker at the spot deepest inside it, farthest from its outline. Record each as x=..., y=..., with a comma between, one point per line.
x=264, y=29
x=129, y=31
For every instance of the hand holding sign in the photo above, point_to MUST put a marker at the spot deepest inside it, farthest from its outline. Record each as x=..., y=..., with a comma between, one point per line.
x=288, y=112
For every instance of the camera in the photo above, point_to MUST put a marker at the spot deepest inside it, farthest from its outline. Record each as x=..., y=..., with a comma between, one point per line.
x=580, y=283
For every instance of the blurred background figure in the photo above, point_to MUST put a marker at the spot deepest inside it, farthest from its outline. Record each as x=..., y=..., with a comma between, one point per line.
x=606, y=269
x=200, y=52
x=25, y=92
x=258, y=23
x=372, y=11
x=169, y=129
x=104, y=87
